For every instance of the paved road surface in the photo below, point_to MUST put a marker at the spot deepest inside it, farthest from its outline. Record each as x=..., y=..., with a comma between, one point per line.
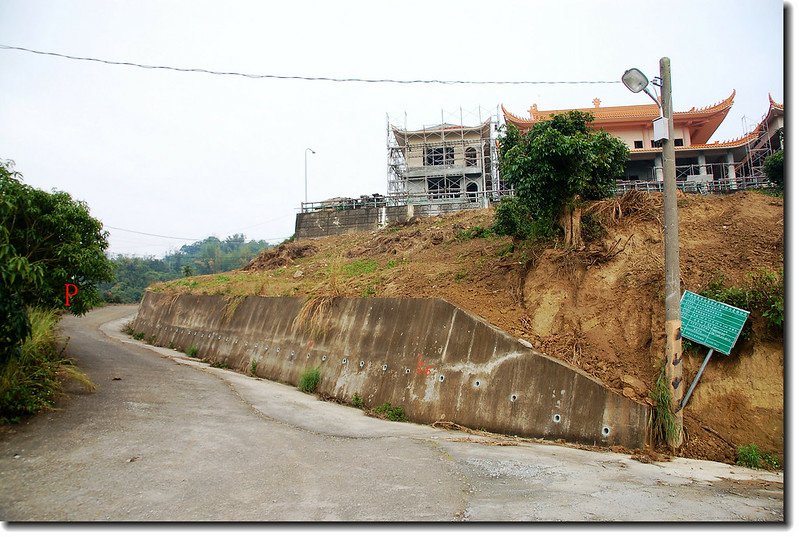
x=174, y=439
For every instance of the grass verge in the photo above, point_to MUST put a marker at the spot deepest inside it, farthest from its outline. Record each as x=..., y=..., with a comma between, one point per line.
x=31, y=378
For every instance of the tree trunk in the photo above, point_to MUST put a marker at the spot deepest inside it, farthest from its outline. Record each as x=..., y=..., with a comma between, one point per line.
x=570, y=223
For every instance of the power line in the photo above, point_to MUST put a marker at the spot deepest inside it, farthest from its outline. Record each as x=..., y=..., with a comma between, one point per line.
x=152, y=234
x=181, y=238
x=310, y=78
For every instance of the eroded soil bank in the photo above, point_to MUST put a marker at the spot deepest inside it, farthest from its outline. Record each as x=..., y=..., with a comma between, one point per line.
x=600, y=309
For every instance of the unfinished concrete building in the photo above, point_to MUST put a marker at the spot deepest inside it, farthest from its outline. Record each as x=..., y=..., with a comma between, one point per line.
x=444, y=167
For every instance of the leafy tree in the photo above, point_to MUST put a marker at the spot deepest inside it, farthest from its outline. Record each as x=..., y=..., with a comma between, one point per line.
x=557, y=165
x=774, y=167
x=47, y=240
x=56, y=233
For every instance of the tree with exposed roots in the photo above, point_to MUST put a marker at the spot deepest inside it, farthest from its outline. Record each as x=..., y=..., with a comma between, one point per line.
x=559, y=164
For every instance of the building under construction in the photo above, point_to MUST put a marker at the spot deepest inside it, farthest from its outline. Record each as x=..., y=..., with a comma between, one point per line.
x=444, y=167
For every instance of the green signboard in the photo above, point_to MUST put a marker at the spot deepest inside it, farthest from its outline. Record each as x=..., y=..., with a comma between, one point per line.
x=711, y=323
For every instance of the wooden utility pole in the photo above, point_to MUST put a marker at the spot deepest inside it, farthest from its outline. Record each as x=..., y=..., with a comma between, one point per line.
x=672, y=260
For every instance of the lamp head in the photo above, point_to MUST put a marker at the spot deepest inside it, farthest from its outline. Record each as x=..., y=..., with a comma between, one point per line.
x=634, y=80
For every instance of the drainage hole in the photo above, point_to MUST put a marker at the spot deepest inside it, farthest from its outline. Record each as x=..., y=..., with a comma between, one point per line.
x=343, y=360
x=441, y=378
x=360, y=364
x=556, y=418
x=605, y=430
x=324, y=358
x=513, y=397
x=385, y=367
x=476, y=383
x=407, y=370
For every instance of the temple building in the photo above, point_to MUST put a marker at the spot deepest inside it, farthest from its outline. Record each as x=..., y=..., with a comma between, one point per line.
x=700, y=164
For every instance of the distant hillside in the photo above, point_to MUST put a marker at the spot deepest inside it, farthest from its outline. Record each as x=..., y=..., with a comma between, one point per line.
x=600, y=308
x=209, y=256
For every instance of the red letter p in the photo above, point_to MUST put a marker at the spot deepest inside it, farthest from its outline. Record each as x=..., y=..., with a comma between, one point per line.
x=70, y=294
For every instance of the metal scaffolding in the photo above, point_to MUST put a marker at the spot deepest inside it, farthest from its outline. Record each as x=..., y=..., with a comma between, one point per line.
x=446, y=161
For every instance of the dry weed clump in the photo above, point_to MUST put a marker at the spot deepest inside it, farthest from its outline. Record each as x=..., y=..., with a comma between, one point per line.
x=388, y=244
x=280, y=256
x=632, y=207
x=314, y=314
x=232, y=303
x=166, y=301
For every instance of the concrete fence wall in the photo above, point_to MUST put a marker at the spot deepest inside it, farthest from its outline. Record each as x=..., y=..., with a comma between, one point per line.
x=330, y=222
x=435, y=360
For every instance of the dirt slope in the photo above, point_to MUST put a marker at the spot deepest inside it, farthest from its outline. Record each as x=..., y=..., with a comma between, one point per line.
x=600, y=309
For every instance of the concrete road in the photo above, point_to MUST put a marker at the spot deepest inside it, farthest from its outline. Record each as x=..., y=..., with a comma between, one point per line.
x=166, y=438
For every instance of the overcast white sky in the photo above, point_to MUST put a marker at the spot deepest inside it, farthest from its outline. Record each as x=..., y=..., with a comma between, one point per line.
x=191, y=155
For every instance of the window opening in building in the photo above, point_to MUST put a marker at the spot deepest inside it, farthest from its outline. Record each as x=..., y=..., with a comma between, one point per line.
x=439, y=156
x=471, y=156
x=638, y=144
x=443, y=187
x=471, y=190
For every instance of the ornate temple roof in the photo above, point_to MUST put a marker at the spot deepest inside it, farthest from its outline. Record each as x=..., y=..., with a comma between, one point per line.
x=701, y=122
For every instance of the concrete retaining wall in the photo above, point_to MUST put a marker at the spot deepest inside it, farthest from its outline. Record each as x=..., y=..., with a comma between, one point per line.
x=330, y=222
x=435, y=360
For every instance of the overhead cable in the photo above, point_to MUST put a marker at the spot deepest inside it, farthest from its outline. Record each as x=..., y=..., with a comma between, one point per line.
x=151, y=234
x=310, y=78
x=182, y=238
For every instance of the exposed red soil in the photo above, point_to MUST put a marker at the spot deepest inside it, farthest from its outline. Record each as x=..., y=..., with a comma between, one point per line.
x=600, y=308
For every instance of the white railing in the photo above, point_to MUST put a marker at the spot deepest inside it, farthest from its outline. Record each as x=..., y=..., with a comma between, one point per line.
x=446, y=201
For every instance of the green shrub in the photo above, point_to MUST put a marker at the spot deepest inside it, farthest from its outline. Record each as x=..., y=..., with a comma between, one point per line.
x=389, y=412
x=774, y=167
x=309, y=380
x=748, y=456
x=767, y=294
x=138, y=335
x=219, y=364
x=357, y=400
x=512, y=217
x=770, y=462
x=751, y=457
x=253, y=367
x=764, y=293
x=192, y=351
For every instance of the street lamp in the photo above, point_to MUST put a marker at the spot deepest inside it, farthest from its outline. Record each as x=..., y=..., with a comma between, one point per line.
x=306, y=171
x=636, y=81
